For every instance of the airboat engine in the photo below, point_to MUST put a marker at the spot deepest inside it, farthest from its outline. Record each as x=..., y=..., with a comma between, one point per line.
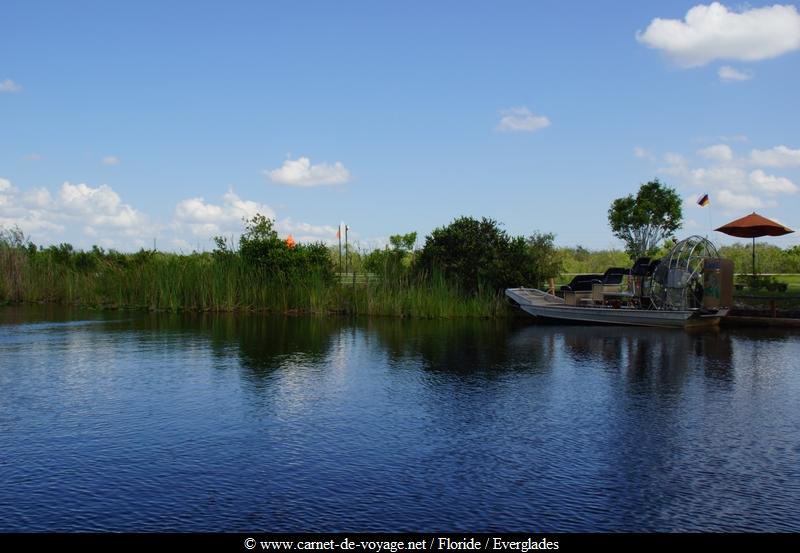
x=693, y=276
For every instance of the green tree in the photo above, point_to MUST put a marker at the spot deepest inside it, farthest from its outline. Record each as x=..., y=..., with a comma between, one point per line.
x=644, y=220
x=394, y=262
x=477, y=255
x=582, y=260
x=542, y=257
x=260, y=246
x=403, y=242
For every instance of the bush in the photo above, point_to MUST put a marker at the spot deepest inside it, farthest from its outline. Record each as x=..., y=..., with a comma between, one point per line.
x=477, y=255
x=261, y=247
x=393, y=263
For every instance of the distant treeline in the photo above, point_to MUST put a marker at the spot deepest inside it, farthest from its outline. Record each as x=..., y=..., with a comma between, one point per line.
x=460, y=270
x=769, y=258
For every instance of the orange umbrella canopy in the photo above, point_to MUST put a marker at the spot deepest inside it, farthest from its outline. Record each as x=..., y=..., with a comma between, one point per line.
x=753, y=226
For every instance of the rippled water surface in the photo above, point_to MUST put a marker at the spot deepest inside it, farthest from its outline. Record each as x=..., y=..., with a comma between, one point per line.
x=139, y=422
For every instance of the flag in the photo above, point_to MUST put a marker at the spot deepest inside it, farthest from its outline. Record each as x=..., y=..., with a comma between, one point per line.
x=290, y=241
x=703, y=201
x=339, y=233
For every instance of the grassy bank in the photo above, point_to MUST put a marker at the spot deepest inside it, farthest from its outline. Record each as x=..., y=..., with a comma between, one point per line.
x=206, y=282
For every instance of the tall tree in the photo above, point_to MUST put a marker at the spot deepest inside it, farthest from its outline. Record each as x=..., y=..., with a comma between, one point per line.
x=644, y=220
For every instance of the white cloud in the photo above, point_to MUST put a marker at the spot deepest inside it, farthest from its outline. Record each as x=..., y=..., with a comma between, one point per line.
x=714, y=32
x=735, y=201
x=732, y=177
x=38, y=198
x=246, y=208
x=674, y=159
x=99, y=206
x=771, y=184
x=86, y=215
x=75, y=206
x=729, y=74
x=9, y=86
x=732, y=182
x=111, y=160
x=196, y=210
x=30, y=222
x=300, y=172
x=206, y=219
x=305, y=232
x=642, y=153
x=521, y=119
x=676, y=165
x=719, y=152
x=779, y=156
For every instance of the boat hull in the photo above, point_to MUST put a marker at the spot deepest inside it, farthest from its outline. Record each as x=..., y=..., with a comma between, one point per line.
x=540, y=304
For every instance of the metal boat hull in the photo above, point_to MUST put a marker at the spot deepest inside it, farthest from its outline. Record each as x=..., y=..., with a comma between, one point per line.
x=540, y=304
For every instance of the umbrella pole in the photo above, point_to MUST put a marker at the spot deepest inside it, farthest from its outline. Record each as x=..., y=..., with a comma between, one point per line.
x=754, y=262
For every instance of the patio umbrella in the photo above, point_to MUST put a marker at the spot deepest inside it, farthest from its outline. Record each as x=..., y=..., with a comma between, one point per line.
x=753, y=226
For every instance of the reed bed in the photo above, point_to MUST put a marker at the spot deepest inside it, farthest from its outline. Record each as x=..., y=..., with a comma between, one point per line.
x=206, y=282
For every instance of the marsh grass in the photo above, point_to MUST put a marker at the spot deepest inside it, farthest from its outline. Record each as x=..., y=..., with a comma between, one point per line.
x=206, y=282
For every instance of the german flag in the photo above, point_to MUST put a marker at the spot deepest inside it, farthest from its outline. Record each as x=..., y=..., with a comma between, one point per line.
x=703, y=201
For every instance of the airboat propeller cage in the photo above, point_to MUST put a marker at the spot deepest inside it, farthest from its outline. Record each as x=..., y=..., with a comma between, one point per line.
x=693, y=275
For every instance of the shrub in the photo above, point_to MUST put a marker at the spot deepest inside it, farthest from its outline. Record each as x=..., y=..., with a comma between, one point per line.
x=261, y=247
x=477, y=255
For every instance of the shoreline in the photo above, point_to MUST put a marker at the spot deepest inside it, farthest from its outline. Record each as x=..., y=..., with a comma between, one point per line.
x=743, y=319
x=739, y=321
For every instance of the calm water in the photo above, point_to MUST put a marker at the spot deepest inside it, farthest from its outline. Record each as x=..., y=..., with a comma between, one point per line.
x=137, y=422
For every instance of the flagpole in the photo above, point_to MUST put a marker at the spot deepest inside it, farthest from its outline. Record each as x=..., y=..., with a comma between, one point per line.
x=339, y=236
x=346, y=253
x=710, y=226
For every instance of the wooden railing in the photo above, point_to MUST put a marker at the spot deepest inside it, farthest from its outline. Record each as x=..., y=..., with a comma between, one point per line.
x=355, y=279
x=773, y=300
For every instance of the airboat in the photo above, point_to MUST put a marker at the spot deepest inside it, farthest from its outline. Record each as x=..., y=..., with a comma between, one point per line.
x=690, y=286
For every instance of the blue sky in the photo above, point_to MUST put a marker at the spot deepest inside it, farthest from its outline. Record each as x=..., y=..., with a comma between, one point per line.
x=174, y=120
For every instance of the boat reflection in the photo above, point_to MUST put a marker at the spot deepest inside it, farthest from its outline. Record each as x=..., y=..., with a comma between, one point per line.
x=637, y=353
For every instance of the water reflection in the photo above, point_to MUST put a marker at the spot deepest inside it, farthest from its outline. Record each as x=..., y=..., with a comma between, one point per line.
x=662, y=357
x=206, y=422
x=459, y=346
x=264, y=344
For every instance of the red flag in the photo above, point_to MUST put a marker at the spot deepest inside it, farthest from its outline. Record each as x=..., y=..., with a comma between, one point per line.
x=339, y=232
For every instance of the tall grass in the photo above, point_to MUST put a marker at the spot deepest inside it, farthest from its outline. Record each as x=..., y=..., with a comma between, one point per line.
x=206, y=282
x=420, y=297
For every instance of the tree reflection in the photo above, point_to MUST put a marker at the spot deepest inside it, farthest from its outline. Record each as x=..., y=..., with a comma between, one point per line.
x=449, y=346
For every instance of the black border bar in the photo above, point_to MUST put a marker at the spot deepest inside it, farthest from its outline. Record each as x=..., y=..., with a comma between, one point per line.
x=353, y=542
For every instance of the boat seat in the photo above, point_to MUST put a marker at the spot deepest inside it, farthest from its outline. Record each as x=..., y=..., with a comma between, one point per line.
x=581, y=283
x=614, y=275
x=640, y=266
x=576, y=298
x=612, y=279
